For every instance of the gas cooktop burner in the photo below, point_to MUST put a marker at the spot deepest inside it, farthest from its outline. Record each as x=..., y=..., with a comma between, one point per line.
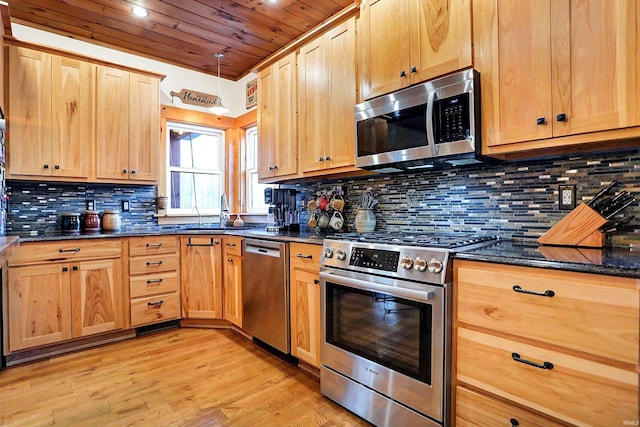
x=434, y=240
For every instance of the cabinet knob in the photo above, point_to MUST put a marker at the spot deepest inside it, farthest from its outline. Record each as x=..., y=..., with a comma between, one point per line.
x=75, y=268
x=133, y=171
x=64, y=269
x=403, y=73
x=316, y=281
x=229, y=260
x=124, y=171
x=328, y=158
x=46, y=166
x=514, y=422
x=275, y=167
x=562, y=117
x=320, y=159
x=57, y=166
x=541, y=121
x=414, y=70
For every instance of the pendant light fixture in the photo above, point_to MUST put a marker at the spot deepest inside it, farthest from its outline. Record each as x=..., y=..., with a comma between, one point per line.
x=217, y=107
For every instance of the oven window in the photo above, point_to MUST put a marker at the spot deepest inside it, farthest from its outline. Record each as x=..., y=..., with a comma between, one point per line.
x=394, y=131
x=392, y=332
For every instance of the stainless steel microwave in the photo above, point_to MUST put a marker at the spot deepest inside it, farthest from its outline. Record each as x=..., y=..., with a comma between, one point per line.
x=424, y=126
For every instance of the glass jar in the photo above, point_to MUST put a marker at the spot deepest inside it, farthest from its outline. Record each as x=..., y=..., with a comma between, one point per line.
x=111, y=220
x=70, y=222
x=91, y=221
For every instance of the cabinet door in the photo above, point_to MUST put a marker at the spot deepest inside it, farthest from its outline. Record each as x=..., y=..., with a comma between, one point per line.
x=96, y=296
x=39, y=305
x=314, y=100
x=305, y=316
x=595, y=65
x=201, y=274
x=266, y=123
x=29, y=113
x=440, y=39
x=72, y=116
x=286, y=142
x=233, y=289
x=112, y=124
x=340, y=61
x=144, y=128
x=512, y=54
x=385, y=47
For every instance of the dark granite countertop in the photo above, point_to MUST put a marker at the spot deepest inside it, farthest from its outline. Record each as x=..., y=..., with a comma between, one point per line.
x=616, y=261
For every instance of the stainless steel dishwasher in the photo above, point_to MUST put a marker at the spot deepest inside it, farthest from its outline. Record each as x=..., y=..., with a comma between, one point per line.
x=265, y=292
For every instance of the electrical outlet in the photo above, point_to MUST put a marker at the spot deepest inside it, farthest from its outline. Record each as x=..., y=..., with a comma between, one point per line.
x=125, y=206
x=90, y=205
x=567, y=197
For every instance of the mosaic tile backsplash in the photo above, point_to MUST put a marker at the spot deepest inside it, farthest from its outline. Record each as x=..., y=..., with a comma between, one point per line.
x=515, y=199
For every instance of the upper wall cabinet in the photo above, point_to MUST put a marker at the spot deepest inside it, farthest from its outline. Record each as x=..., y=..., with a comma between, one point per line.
x=277, y=131
x=554, y=72
x=403, y=42
x=50, y=115
x=326, y=96
x=127, y=125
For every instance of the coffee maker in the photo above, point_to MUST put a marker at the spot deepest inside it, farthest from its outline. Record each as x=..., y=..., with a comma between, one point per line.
x=284, y=214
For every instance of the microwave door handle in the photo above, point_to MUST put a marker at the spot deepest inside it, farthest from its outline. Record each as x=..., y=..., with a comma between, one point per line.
x=430, y=138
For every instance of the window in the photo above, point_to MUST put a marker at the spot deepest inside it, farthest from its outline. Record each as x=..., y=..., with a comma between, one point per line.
x=195, y=172
x=255, y=191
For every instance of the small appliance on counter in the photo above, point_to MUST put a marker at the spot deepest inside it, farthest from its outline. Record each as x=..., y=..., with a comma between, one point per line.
x=283, y=209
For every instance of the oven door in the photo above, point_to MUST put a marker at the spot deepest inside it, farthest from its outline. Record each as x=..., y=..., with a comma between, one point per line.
x=387, y=335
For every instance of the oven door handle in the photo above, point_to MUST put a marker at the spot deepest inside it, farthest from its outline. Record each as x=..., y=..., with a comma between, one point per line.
x=410, y=294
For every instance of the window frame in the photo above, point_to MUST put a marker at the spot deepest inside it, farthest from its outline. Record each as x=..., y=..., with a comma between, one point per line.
x=247, y=173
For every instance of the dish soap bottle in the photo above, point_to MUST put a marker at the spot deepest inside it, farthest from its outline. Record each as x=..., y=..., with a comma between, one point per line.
x=238, y=222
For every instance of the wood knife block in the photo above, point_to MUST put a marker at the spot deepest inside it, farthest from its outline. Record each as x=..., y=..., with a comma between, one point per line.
x=579, y=228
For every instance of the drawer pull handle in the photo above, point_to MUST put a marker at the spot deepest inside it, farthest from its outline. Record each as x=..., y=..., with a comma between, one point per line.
x=305, y=256
x=154, y=281
x=154, y=263
x=155, y=305
x=154, y=245
x=69, y=250
x=231, y=245
x=548, y=293
x=544, y=365
x=200, y=244
x=514, y=422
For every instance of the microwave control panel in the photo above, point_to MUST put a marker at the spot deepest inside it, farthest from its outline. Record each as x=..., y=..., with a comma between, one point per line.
x=451, y=119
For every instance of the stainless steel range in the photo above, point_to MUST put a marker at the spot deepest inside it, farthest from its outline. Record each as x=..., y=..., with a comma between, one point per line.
x=386, y=325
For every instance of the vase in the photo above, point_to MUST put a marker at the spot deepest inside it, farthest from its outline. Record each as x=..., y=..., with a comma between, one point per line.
x=365, y=221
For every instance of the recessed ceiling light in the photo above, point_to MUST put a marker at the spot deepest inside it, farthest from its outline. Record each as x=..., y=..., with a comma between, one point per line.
x=140, y=11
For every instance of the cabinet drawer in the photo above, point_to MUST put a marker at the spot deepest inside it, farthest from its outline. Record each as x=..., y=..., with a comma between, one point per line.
x=592, y=313
x=153, y=263
x=153, y=245
x=232, y=245
x=573, y=389
x=473, y=409
x=305, y=256
x=154, y=309
x=153, y=284
x=65, y=250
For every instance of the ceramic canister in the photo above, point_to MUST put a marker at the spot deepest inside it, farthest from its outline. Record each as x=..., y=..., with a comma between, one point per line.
x=111, y=220
x=91, y=221
x=70, y=222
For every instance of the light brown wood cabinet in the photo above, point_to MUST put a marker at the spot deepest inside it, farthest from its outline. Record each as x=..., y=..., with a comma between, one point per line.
x=277, y=130
x=50, y=115
x=304, y=300
x=232, y=276
x=79, y=294
x=554, y=72
x=154, y=279
x=403, y=42
x=127, y=125
x=546, y=343
x=201, y=277
x=326, y=96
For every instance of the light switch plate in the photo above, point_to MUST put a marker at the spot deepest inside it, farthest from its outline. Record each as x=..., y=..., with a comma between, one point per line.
x=567, y=197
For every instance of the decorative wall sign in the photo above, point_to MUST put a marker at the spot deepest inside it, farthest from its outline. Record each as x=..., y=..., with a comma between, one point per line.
x=193, y=97
x=252, y=93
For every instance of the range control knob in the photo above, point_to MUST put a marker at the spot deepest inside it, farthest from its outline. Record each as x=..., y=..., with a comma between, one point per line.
x=328, y=252
x=340, y=254
x=406, y=262
x=435, y=265
x=420, y=264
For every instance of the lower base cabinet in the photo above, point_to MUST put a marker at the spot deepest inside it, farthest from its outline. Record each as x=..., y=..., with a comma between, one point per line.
x=232, y=279
x=304, y=267
x=201, y=273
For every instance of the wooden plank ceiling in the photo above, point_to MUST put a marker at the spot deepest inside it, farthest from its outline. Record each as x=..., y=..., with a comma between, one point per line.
x=185, y=33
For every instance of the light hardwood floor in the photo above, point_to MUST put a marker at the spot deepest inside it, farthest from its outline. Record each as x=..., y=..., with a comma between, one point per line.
x=180, y=377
